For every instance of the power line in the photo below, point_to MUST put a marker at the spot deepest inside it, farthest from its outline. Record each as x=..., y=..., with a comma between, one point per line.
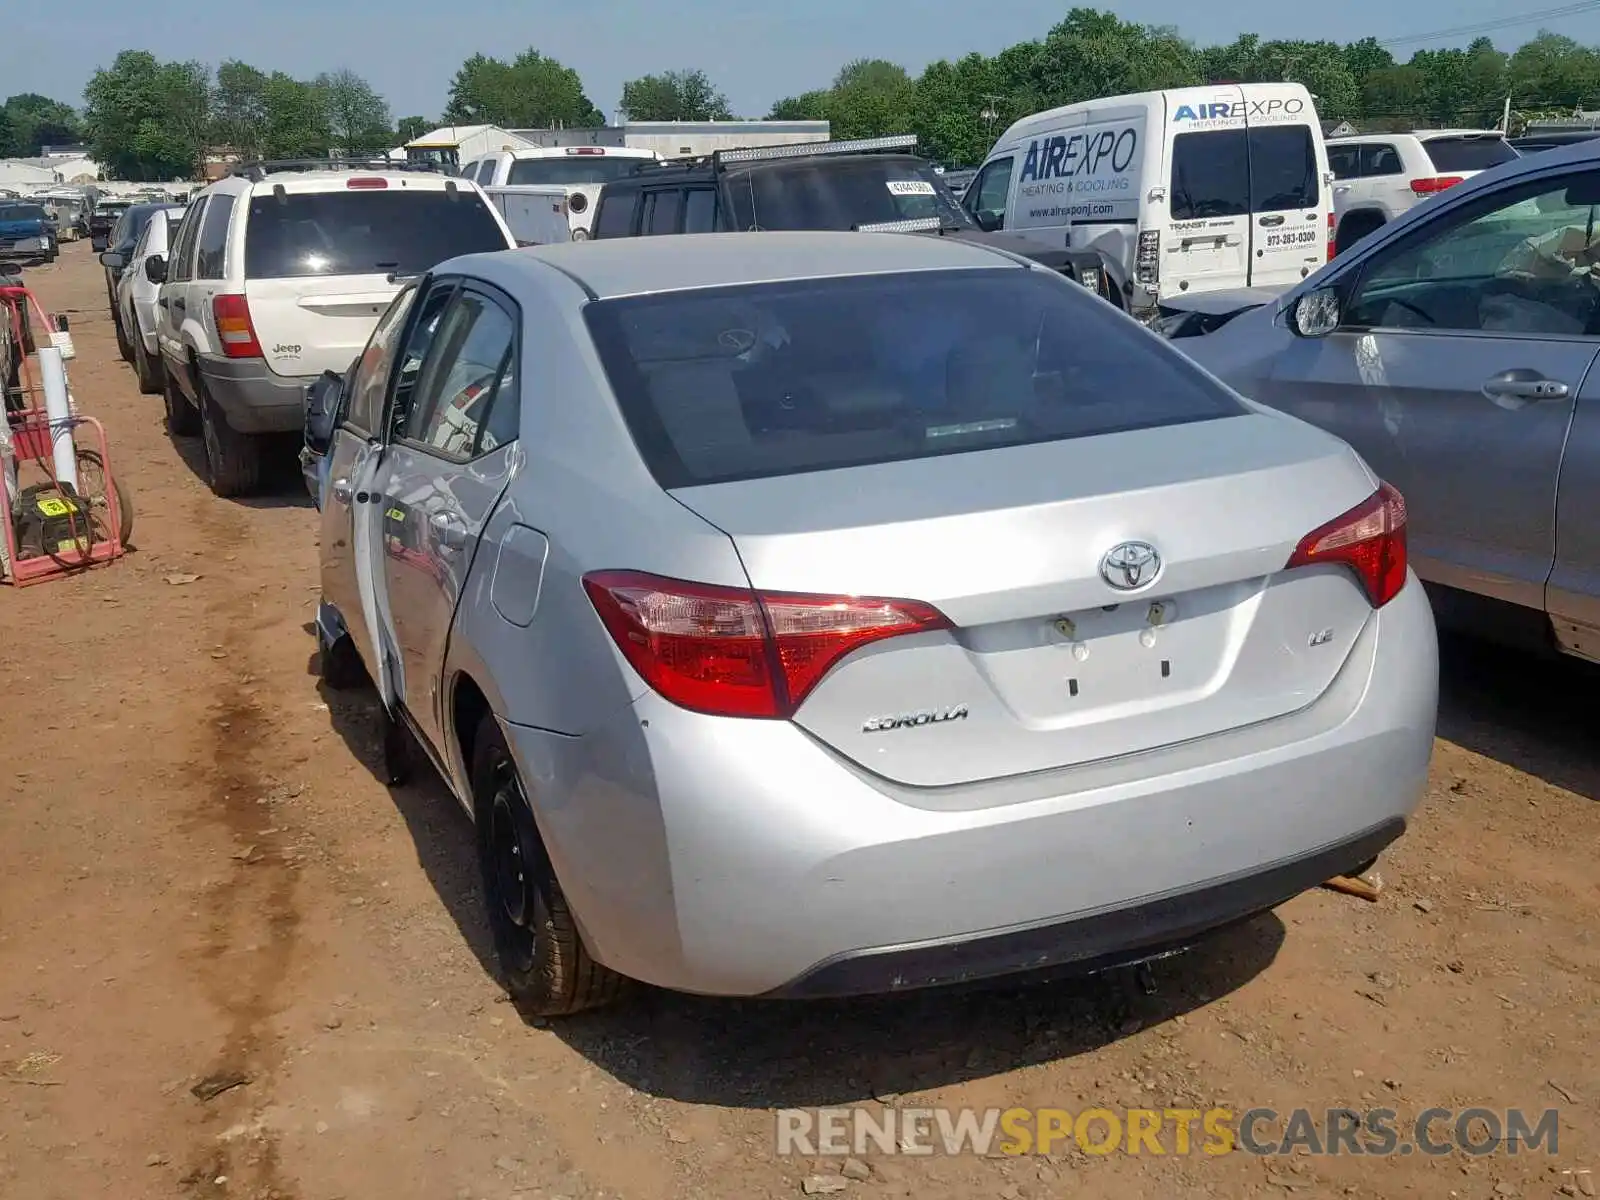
x=1565, y=10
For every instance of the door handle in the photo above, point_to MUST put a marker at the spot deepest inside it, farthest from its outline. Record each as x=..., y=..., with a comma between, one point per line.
x=164, y=302
x=341, y=490
x=1269, y=222
x=1520, y=387
x=1342, y=190
x=448, y=530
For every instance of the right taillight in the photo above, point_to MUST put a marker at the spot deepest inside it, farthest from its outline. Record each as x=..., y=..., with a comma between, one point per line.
x=1370, y=539
x=734, y=652
x=1147, y=258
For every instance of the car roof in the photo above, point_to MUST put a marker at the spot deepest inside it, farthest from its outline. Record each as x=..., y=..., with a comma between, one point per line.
x=633, y=266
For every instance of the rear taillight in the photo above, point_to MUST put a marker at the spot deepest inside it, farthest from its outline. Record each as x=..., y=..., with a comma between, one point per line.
x=234, y=328
x=1438, y=183
x=733, y=652
x=1370, y=539
x=1332, y=238
x=1147, y=259
x=364, y=182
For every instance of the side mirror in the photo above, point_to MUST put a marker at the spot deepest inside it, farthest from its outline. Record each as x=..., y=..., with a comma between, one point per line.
x=155, y=268
x=322, y=411
x=113, y=260
x=1316, y=314
x=988, y=220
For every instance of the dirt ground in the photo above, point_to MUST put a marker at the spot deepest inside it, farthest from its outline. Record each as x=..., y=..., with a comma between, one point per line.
x=201, y=877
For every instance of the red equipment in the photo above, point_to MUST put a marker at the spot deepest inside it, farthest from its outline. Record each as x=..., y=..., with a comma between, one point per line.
x=85, y=529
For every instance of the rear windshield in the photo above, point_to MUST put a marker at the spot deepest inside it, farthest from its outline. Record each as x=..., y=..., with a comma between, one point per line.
x=21, y=212
x=1226, y=172
x=364, y=232
x=780, y=379
x=574, y=169
x=1468, y=154
x=839, y=193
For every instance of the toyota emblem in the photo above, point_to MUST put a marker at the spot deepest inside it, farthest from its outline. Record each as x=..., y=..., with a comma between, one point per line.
x=1129, y=566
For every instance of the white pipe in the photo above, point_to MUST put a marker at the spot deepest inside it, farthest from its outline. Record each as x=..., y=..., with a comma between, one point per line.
x=58, y=408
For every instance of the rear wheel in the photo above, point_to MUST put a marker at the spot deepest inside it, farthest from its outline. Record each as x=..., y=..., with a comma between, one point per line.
x=545, y=966
x=233, y=459
x=148, y=370
x=339, y=664
x=182, y=418
x=1355, y=227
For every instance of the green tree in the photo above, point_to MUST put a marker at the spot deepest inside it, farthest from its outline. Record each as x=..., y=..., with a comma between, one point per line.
x=808, y=106
x=148, y=120
x=358, y=118
x=674, y=96
x=37, y=121
x=871, y=97
x=297, y=119
x=239, y=108
x=408, y=129
x=530, y=92
x=8, y=135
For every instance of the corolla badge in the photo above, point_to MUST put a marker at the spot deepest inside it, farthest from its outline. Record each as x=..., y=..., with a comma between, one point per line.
x=1129, y=566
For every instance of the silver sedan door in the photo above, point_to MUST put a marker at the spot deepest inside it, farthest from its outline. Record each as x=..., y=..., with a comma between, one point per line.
x=452, y=457
x=1461, y=350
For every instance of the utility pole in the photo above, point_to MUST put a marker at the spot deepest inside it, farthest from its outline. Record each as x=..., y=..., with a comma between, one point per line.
x=1505, y=121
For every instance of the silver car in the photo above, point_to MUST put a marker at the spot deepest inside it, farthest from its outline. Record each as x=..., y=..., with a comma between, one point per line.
x=1455, y=350
x=813, y=614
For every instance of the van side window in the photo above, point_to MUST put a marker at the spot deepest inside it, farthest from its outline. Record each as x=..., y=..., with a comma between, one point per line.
x=1283, y=169
x=988, y=192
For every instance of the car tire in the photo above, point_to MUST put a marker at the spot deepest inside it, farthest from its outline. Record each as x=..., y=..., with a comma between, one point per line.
x=543, y=962
x=148, y=370
x=339, y=664
x=183, y=419
x=1353, y=228
x=124, y=346
x=233, y=459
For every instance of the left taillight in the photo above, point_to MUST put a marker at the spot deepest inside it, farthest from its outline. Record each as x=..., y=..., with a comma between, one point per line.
x=733, y=652
x=1435, y=184
x=235, y=331
x=1333, y=237
x=1370, y=540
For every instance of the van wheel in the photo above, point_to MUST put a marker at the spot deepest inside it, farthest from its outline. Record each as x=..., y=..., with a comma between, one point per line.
x=543, y=961
x=124, y=346
x=182, y=418
x=233, y=459
x=1353, y=228
x=149, y=372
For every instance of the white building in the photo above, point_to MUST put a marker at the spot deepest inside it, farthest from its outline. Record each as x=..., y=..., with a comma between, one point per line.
x=681, y=139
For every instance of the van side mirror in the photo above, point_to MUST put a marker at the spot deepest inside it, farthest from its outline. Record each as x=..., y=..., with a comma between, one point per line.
x=988, y=220
x=322, y=411
x=113, y=260
x=1316, y=314
x=155, y=268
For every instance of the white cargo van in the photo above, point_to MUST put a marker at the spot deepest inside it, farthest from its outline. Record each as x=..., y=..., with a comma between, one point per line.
x=581, y=170
x=1184, y=191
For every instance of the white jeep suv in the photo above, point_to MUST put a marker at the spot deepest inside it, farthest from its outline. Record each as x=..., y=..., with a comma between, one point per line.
x=280, y=272
x=1378, y=176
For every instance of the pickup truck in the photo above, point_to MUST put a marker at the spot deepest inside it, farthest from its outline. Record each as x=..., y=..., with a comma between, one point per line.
x=103, y=219
x=27, y=234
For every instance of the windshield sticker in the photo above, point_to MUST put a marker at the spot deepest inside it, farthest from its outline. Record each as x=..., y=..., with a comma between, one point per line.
x=910, y=187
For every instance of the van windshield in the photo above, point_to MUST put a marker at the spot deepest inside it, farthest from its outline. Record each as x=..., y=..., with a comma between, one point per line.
x=1228, y=172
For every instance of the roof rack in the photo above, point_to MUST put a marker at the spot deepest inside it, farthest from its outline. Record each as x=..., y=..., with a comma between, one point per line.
x=902, y=142
x=257, y=170
x=910, y=225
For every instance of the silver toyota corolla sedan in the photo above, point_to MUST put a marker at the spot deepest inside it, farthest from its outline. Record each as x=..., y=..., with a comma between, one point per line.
x=816, y=614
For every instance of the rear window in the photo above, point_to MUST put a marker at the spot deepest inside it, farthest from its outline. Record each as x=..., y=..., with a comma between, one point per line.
x=780, y=379
x=569, y=170
x=21, y=212
x=840, y=194
x=364, y=232
x=1467, y=154
x=1227, y=172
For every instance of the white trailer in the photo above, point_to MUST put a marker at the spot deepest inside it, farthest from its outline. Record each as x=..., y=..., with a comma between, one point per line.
x=536, y=214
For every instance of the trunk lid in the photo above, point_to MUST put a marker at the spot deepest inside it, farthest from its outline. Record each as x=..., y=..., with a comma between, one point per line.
x=308, y=326
x=1049, y=665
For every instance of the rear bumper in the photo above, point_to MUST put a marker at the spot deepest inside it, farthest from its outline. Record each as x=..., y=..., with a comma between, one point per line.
x=253, y=397
x=743, y=858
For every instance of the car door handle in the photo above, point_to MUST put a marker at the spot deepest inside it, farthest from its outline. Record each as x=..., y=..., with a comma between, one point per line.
x=164, y=302
x=341, y=490
x=1521, y=387
x=448, y=530
x=1342, y=190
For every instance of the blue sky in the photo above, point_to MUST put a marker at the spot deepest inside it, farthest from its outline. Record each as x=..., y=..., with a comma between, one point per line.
x=755, y=52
